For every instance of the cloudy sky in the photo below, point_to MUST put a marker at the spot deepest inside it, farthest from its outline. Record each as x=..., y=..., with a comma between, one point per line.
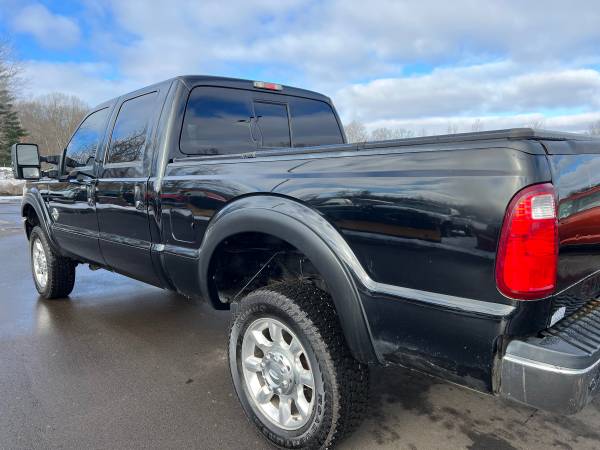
x=422, y=65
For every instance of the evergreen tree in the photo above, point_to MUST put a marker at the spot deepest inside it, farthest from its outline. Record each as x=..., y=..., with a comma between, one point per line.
x=11, y=131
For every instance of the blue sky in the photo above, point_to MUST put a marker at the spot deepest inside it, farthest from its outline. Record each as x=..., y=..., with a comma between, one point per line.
x=421, y=65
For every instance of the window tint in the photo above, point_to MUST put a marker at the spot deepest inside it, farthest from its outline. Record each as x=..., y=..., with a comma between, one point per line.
x=129, y=133
x=217, y=121
x=273, y=124
x=81, y=150
x=313, y=123
x=225, y=120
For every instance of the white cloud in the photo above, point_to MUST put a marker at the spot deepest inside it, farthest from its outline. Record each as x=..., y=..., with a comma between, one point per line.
x=50, y=30
x=85, y=80
x=323, y=43
x=500, y=61
x=483, y=89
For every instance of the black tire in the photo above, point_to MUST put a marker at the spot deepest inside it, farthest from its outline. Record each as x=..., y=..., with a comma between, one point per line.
x=342, y=382
x=60, y=270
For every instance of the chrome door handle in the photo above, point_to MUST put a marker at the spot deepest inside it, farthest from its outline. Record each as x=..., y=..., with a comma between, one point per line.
x=90, y=189
x=137, y=195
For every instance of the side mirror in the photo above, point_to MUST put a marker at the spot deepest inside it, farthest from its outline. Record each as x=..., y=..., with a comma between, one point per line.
x=25, y=161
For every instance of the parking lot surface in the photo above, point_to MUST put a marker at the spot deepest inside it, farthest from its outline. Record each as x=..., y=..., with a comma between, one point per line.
x=124, y=365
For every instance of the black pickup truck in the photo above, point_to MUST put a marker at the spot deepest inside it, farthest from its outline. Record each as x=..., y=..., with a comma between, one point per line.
x=472, y=257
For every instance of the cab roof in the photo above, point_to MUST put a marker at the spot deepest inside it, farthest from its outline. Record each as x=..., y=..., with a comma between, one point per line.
x=208, y=80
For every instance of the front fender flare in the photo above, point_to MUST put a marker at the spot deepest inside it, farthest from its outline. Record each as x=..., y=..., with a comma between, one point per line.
x=34, y=199
x=309, y=232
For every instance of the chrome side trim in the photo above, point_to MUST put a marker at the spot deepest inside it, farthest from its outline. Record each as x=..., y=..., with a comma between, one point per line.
x=75, y=230
x=123, y=240
x=447, y=301
x=176, y=250
x=107, y=237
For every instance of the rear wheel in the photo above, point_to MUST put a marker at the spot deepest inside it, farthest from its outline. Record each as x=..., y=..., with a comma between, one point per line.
x=291, y=368
x=53, y=275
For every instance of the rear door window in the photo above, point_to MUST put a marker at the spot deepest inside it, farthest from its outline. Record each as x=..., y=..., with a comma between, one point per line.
x=313, y=123
x=273, y=124
x=131, y=128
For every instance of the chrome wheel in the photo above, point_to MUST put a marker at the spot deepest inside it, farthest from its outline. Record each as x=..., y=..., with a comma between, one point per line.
x=277, y=373
x=40, y=264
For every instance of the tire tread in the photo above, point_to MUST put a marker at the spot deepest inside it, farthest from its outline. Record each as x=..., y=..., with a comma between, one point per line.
x=312, y=309
x=61, y=270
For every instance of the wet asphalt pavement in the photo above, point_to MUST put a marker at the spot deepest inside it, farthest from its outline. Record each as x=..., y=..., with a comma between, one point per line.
x=122, y=365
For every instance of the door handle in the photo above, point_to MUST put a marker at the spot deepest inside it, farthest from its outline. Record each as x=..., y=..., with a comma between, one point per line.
x=91, y=193
x=140, y=205
x=89, y=187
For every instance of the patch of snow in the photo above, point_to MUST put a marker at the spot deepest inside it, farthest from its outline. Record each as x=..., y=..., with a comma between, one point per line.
x=11, y=187
x=8, y=185
x=6, y=173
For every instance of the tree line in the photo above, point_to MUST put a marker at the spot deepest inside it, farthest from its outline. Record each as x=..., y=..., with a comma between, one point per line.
x=357, y=131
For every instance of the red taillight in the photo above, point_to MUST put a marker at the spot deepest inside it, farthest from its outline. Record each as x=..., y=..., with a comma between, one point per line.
x=528, y=248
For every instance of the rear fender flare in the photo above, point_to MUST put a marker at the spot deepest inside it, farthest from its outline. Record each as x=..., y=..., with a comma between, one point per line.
x=311, y=233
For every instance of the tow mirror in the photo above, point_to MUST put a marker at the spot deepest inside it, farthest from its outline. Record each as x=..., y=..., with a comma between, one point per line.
x=25, y=161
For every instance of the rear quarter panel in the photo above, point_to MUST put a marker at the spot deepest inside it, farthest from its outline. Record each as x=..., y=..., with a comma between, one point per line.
x=427, y=220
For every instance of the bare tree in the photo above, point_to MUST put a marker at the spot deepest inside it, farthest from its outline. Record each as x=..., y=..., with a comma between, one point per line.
x=9, y=70
x=477, y=125
x=452, y=128
x=50, y=120
x=356, y=132
x=595, y=128
x=402, y=133
x=537, y=124
x=381, y=134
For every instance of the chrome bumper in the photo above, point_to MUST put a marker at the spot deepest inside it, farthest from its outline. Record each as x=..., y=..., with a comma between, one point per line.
x=559, y=370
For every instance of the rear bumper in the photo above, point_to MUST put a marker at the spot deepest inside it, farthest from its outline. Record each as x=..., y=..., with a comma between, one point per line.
x=559, y=370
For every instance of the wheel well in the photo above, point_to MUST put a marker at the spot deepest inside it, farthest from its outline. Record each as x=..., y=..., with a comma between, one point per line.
x=31, y=219
x=247, y=261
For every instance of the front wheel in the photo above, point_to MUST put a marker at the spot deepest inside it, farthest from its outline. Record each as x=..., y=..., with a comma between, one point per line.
x=291, y=368
x=53, y=274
